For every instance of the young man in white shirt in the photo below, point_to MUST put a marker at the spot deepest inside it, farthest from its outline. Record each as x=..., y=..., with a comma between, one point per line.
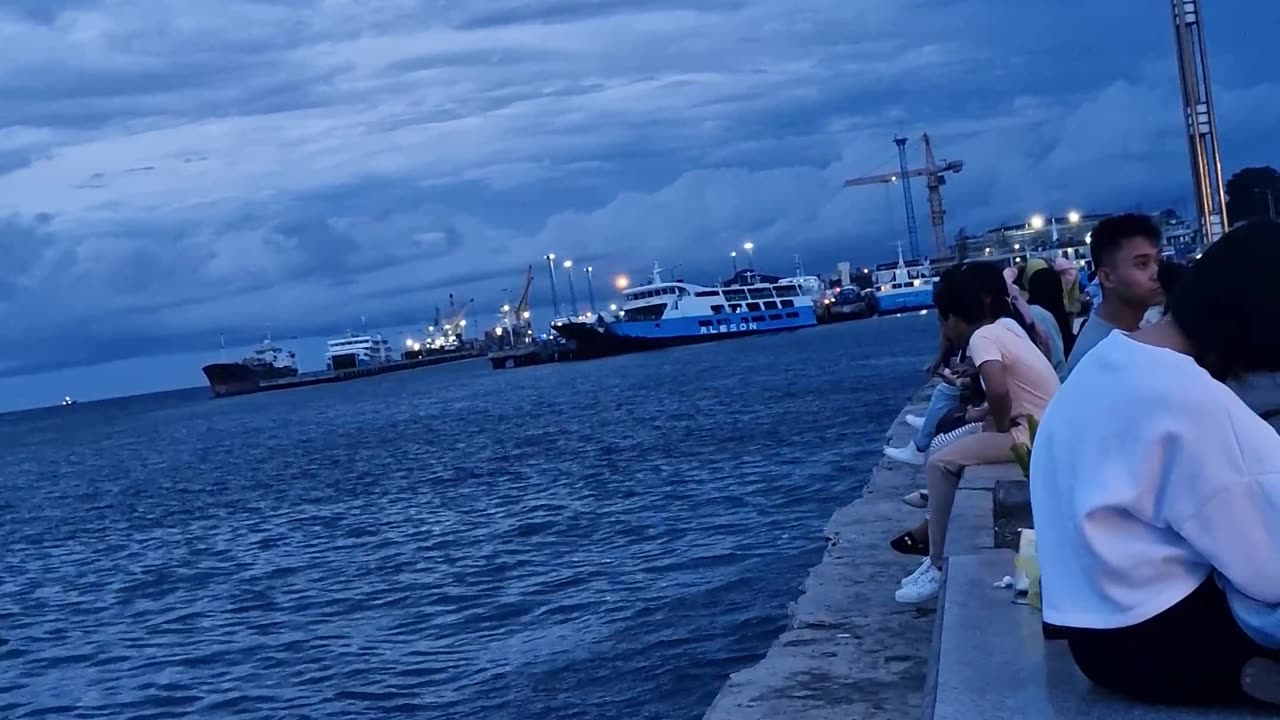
x=1149, y=474
x=1126, y=256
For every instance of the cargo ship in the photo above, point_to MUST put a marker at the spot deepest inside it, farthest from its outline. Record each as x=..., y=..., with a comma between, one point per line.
x=666, y=314
x=267, y=362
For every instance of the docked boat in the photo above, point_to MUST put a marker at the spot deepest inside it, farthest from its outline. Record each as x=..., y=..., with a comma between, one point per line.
x=665, y=314
x=903, y=286
x=267, y=362
x=358, y=351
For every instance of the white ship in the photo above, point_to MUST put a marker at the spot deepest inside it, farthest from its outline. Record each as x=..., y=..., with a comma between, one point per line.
x=358, y=351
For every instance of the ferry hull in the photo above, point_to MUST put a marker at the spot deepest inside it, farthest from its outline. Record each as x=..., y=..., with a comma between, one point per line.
x=892, y=303
x=595, y=340
x=227, y=379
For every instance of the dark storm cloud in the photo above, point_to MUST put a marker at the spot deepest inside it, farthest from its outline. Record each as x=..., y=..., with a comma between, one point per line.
x=171, y=170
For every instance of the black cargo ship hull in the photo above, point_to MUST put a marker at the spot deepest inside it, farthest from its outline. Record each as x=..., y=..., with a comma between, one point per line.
x=227, y=379
x=591, y=342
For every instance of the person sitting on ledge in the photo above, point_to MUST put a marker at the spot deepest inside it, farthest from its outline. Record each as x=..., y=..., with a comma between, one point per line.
x=947, y=396
x=1182, y=479
x=1126, y=255
x=974, y=307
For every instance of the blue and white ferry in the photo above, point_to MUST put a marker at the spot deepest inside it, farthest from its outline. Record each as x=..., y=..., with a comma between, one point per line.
x=904, y=286
x=664, y=314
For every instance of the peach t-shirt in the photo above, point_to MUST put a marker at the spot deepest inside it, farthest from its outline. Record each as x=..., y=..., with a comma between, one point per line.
x=1032, y=380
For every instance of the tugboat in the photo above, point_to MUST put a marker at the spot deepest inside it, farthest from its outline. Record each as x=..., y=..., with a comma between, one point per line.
x=665, y=314
x=268, y=362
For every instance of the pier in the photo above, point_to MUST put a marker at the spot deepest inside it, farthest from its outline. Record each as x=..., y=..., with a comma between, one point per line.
x=851, y=651
x=540, y=353
x=325, y=377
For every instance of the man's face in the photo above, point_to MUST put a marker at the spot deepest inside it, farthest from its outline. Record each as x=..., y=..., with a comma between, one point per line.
x=1132, y=278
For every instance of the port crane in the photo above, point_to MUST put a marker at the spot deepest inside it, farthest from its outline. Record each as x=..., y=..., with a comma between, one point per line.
x=933, y=172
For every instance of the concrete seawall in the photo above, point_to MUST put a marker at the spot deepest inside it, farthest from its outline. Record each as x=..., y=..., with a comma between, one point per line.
x=851, y=650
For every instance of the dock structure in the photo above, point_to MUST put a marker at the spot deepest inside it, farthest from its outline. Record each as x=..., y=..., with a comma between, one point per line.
x=851, y=651
x=540, y=353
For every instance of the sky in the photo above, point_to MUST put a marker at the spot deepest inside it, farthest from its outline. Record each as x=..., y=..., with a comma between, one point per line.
x=171, y=171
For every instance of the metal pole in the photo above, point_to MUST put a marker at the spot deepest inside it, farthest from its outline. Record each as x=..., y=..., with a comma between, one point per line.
x=573, y=300
x=555, y=301
x=734, y=256
x=1200, y=119
x=591, y=293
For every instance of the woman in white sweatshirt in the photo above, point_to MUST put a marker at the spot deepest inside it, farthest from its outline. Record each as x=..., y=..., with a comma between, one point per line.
x=1149, y=473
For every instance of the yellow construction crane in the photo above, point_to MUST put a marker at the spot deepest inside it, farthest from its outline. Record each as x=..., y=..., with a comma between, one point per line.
x=933, y=172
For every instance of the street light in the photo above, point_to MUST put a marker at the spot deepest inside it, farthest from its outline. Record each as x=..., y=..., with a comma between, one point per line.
x=751, y=256
x=1073, y=217
x=621, y=282
x=734, y=256
x=1037, y=222
x=591, y=293
x=573, y=299
x=551, y=270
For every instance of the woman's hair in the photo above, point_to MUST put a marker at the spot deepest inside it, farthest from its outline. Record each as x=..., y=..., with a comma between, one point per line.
x=1170, y=275
x=992, y=287
x=1044, y=288
x=1227, y=304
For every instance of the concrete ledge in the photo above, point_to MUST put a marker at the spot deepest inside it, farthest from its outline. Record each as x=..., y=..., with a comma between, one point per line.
x=984, y=477
x=993, y=662
x=1011, y=508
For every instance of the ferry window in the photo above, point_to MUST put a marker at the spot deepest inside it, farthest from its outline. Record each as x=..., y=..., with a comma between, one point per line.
x=775, y=316
x=788, y=303
x=704, y=323
x=760, y=293
x=896, y=286
x=786, y=291
x=682, y=291
x=735, y=308
x=753, y=307
x=793, y=314
x=757, y=318
x=771, y=305
x=707, y=293
x=717, y=309
x=735, y=294
x=647, y=312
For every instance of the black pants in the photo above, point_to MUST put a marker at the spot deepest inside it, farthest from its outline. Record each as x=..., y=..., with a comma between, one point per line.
x=1191, y=653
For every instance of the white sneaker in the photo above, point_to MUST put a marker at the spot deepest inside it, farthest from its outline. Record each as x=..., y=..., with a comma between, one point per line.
x=925, y=587
x=915, y=421
x=925, y=563
x=906, y=454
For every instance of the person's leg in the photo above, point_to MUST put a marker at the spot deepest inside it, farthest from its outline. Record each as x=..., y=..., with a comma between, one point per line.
x=942, y=472
x=1192, y=653
x=943, y=399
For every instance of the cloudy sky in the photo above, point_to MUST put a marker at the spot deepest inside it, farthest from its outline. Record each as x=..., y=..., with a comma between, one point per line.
x=171, y=170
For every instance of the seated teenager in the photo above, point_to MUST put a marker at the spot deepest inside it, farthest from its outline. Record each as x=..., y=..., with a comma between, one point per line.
x=1181, y=479
x=1044, y=292
x=975, y=311
x=1126, y=256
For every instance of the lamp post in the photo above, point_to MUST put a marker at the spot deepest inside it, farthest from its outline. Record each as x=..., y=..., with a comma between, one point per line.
x=591, y=293
x=751, y=256
x=734, y=257
x=573, y=300
x=551, y=269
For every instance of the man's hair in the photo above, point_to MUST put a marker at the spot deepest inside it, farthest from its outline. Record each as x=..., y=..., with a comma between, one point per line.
x=993, y=286
x=1110, y=234
x=1228, y=304
x=956, y=293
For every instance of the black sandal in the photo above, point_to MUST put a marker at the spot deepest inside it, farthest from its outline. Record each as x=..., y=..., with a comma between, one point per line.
x=907, y=544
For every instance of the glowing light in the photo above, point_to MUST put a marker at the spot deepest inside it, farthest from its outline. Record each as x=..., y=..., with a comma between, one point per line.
x=1037, y=222
x=462, y=323
x=589, y=268
x=506, y=308
x=988, y=251
x=748, y=246
x=733, y=254
x=417, y=347
x=568, y=264
x=622, y=282
x=1017, y=259
x=1073, y=217
x=613, y=307
x=526, y=314
x=1016, y=246
x=408, y=342
x=1088, y=238
x=497, y=331
x=551, y=256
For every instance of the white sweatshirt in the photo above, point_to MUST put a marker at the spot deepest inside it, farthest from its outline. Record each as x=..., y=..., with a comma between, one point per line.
x=1146, y=474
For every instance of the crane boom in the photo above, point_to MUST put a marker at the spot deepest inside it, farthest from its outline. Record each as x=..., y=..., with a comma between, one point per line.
x=933, y=172
x=524, y=296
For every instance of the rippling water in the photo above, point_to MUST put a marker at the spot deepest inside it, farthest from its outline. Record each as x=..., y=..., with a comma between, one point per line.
x=606, y=539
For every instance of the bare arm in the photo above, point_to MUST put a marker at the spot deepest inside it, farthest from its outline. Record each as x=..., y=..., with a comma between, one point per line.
x=995, y=379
